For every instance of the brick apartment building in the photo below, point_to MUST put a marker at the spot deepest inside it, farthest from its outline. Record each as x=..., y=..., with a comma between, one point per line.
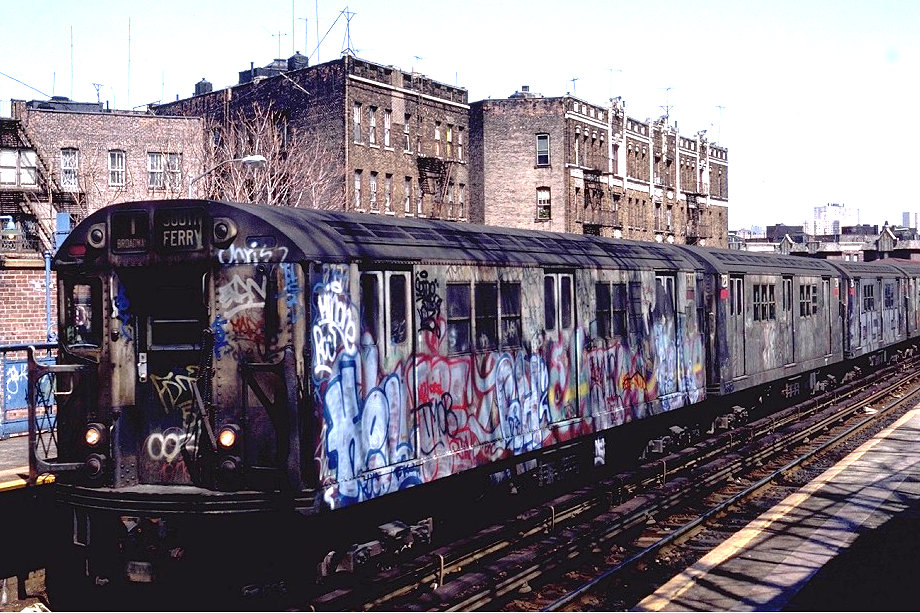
x=71, y=158
x=566, y=165
x=393, y=142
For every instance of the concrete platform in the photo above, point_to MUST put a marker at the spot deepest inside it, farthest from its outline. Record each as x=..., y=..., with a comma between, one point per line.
x=766, y=565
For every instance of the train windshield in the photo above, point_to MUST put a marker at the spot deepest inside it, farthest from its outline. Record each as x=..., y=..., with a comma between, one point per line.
x=83, y=314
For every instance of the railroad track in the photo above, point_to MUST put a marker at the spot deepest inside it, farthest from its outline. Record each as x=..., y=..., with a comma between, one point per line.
x=496, y=566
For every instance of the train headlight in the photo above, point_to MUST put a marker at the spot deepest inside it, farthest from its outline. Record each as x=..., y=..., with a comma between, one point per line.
x=227, y=437
x=96, y=236
x=94, y=435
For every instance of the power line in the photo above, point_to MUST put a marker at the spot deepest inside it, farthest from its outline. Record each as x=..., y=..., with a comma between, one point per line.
x=26, y=84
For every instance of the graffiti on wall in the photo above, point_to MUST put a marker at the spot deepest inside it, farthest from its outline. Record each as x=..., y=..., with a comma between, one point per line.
x=175, y=391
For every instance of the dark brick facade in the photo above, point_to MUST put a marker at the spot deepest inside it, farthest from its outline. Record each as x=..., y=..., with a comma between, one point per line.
x=94, y=135
x=389, y=135
x=606, y=173
x=22, y=296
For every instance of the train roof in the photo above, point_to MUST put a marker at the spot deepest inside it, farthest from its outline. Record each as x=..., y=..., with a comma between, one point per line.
x=334, y=236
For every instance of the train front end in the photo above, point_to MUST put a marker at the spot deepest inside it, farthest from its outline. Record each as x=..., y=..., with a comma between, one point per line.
x=176, y=397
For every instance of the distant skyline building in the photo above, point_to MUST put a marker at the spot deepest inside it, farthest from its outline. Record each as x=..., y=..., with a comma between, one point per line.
x=909, y=220
x=830, y=218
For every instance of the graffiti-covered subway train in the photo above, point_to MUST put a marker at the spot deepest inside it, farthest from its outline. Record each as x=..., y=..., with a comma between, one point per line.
x=234, y=362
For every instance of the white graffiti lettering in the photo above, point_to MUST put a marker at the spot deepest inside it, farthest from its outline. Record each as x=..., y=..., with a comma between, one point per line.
x=240, y=294
x=252, y=254
x=335, y=326
x=166, y=446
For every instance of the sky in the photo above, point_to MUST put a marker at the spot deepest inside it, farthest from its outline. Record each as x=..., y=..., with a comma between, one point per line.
x=814, y=99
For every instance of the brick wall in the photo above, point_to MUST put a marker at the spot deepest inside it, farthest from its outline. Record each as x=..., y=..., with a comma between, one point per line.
x=22, y=301
x=94, y=135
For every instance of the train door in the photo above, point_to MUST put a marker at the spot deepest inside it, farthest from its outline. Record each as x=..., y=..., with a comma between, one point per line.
x=787, y=322
x=558, y=349
x=736, y=324
x=170, y=307
x=828, y=314
x=664, y=333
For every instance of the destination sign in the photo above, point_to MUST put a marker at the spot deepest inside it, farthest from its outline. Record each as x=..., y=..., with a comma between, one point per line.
x=178, y=229
x=130, y=231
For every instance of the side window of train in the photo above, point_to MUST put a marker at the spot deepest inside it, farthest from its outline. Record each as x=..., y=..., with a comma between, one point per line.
x=398, y=311
x=868, y=299
x=665, y=297
x=787, y=294
x=736, y=291
x=385, y=307
x=557, y=302
x=83, y=313
x=764, y=301
x=458, y=318
x=510, y=303
x=889, y=295
x=370, y=307
x=486, y=315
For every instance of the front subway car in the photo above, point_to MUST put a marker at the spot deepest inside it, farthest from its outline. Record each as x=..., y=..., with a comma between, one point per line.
x=177, y=400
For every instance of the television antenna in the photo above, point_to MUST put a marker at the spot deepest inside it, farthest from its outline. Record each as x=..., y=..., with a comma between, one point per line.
x=720, y=107
x=98, y=86
x=667, y=107
x=573, y=79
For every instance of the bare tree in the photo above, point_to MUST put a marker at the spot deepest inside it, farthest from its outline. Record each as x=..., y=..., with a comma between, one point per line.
x=299, y=171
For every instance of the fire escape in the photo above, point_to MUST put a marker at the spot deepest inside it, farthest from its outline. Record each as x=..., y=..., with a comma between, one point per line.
x=697, y=219
x=434, y=175
x=30, y=196
x=595, y=213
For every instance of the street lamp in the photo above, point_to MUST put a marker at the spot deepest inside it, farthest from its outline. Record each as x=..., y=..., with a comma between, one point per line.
x=253, y=161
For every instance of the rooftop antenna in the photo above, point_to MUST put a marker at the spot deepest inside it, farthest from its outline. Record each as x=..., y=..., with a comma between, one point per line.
x=573, y=79
x=318, y=41
x=98, y=86
x=279, y=35
x=418, y=58
x=306, y=33
x=720, y=107
x=71, y=62
x=348, y=17
x=667, y=107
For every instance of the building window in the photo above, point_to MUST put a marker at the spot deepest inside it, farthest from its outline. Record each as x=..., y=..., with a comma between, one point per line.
x=174, y=171
x=407, y=203
x=419, y=204
x=116, y=168
x=449, y=139
x=358, y=190
x=356, y=122
x=407, y=145
x=542, y=149
x=544, y=203
x=373, y=191
x=388, y=193
x=459, y=143
x=461, y=213
x=437, y=139
x=372, y=125
x=387, y=119
x=155, y=171
x=450, y=199
x=18, y=167
x=418, y=144
x=70, y=163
